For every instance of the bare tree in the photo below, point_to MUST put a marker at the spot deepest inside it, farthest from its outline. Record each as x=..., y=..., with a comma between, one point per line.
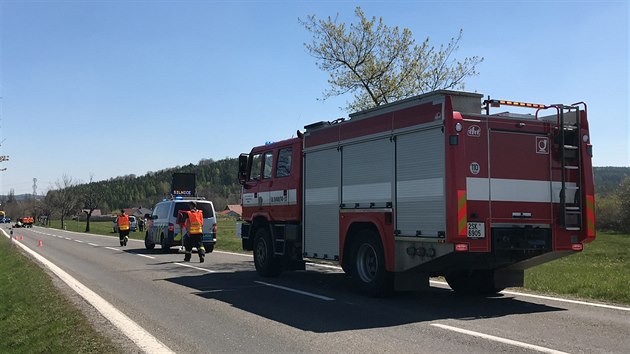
x=64, y=199
x=92, y=196
x=380, y=64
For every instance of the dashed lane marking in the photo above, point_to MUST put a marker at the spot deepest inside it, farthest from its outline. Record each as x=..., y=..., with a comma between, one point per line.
x=193, y=267
x=498, y=339
x=321, y=297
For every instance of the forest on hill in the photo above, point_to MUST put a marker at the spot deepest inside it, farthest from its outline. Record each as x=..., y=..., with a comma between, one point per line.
x=217, y=181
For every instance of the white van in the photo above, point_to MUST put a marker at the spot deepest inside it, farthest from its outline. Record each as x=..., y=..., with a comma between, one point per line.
x=162, y=227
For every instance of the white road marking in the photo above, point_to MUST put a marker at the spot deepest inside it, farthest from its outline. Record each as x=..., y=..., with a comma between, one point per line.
x=193, y=267
x=567, y=300
x=143, y=339
x=321, y=297
x=68, y=238
x=113, y=249
x=499, y=339
x=79, y=241
x=92, y=244
x=144, y=255
x=577, y=302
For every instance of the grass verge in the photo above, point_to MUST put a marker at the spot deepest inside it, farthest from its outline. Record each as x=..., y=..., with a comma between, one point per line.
x=600, y=272
x=35, y=317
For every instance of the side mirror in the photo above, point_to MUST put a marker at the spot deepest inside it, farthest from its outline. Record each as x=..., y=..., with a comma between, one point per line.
x=242, y=168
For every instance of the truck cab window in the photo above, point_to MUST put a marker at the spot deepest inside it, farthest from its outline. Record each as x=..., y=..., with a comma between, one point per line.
x=284, y=163
x=268, y=164
x=255, y=172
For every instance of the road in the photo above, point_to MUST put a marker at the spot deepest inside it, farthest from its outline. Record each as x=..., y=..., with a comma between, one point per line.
x=222, y=305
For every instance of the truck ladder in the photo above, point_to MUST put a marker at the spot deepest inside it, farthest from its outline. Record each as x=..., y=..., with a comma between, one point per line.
x=571, y=162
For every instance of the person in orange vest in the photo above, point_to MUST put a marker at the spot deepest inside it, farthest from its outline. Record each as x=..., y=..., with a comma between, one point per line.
x=123, y=228
x=193, y=222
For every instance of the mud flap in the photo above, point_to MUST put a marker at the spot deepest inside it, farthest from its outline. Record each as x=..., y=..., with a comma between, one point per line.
x=411, y=280
x=506, y=278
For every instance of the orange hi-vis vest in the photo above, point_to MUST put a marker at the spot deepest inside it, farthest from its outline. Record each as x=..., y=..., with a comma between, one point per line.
x=194, y=224
x=123, y=222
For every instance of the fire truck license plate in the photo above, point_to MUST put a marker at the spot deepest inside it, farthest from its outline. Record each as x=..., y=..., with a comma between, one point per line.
x=476, y=230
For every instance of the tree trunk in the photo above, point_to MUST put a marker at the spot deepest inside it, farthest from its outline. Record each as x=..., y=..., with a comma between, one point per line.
x=87, y=221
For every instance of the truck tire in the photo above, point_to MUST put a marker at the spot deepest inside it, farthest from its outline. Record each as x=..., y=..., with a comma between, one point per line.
x=473, y=282
x=266, y=264
x=148, y=245
x=367, y=265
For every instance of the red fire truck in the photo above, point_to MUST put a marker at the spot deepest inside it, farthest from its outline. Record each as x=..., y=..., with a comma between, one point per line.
x=433, y=185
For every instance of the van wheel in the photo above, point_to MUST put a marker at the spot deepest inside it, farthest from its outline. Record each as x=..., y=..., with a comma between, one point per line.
x=147, y=244
x=367, y=265
x=209, y=247
x=266, y=264
x=165, y=248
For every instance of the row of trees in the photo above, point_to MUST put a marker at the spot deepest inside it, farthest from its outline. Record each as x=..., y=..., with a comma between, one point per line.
x=216, y=181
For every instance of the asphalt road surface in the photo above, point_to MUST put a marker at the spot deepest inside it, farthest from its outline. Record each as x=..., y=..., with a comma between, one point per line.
x=222, y=305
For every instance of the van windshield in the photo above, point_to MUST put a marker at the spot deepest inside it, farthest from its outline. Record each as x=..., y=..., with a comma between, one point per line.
x=206, y=208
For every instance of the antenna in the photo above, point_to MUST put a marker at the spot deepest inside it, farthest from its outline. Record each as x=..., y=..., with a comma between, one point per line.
x=34, y=186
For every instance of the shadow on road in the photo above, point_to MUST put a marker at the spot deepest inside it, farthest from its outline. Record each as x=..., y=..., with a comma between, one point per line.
x=237, y=284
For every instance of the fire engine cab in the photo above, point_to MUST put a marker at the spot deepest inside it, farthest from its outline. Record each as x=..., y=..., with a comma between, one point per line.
x=433, y=185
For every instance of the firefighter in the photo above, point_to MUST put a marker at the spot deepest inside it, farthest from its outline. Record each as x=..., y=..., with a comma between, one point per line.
x=123, y=228
x=194, y=232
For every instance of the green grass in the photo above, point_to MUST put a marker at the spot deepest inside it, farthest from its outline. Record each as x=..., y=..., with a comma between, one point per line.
x=35, y=317
x=600, y=272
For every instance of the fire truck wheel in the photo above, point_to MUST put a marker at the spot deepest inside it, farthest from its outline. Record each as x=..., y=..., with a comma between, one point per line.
x=148, y=245
x=475, y=282
x=368, y=265
x=266, y=264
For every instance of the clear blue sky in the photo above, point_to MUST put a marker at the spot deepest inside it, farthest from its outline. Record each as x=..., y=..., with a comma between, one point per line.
x=111, y=88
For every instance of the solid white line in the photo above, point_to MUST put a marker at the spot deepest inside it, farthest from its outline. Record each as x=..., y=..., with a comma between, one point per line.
x=577, y=302
x=143, y=339
x=498, y=339
x=144, y=255
x=193, y=267
x=567, y=300
x=234, y=254
x=321, y=297
x=113, y=249
x=92, y=244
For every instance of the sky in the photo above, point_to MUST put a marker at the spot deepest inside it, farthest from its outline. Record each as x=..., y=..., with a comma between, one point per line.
x=99, y=89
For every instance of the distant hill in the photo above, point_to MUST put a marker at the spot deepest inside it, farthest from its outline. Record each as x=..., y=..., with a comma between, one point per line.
x=217, y=181
x=607, y=179
x=21, y=197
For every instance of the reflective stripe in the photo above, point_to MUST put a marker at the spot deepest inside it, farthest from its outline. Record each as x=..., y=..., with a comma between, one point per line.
x=461, y=212
x=590, y=215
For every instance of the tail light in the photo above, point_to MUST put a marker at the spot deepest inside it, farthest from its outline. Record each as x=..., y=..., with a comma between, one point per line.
x=577, y=246
x=214, y=228
x=461, y=247
x=171, y=227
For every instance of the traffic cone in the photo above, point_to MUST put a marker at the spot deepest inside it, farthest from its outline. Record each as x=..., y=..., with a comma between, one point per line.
x=40, y=244
x=21, y=237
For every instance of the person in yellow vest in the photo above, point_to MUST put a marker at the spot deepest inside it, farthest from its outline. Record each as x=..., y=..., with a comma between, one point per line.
x=194, y=227
x=123, y=228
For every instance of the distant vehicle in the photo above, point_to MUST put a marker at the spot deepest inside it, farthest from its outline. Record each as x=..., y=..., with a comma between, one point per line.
x=163, y=229
x=133, y=224
x=5, y=220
